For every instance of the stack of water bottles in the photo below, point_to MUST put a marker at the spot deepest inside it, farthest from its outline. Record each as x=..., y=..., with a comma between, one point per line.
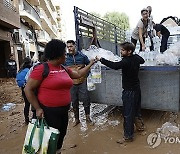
x=157, y=43
x=150, y=56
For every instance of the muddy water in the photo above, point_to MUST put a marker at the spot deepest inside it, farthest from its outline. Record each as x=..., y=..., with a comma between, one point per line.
x=101, y=137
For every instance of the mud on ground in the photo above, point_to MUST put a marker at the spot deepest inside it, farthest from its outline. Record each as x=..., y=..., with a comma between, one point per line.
x=99, y=138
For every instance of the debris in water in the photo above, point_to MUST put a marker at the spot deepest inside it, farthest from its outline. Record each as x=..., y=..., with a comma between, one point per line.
x=168, y=129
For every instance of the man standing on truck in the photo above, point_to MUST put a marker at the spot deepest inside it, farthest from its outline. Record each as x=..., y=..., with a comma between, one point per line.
x=140, y=32
x=77, y=60
x=131, y=95
x=164, y=32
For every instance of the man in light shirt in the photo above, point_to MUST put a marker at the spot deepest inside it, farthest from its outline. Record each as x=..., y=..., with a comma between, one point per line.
x=140, y=32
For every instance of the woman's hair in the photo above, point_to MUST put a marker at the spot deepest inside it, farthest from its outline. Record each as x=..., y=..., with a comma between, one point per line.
x=54, y=49
x=27, y=63
x=128, y=46
x=43, y=59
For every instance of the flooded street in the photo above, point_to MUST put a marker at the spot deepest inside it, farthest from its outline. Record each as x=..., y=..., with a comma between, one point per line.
x=99, y=138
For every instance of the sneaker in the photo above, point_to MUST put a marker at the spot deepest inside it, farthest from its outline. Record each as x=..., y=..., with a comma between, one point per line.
x=139, y=124
x=123, y=140
x=77, y=121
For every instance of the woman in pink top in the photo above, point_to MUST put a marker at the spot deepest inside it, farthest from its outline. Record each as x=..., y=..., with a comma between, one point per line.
x=53, y=99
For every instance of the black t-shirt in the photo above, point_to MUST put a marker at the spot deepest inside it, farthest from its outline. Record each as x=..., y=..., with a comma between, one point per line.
x=11, y=65
x=162, y=29
x=130, y=69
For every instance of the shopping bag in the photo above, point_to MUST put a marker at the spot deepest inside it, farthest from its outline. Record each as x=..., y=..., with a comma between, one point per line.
x=40, y=138
x=50, y=139
x=33, y=139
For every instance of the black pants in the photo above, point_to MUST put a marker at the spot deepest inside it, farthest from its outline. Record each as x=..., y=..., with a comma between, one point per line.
x=131, y=109
x=27, y=105
x=134, y=41
x=164, y=40
x=11, y=74
x=151, y=39
x=57, y=117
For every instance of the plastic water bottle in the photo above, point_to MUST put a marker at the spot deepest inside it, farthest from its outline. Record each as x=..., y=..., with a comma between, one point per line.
x=147, y=56
x=151, y=58
x=157, y=43
x=96, y=73
x=147, y=42
x=141, y=53
x=90, y=84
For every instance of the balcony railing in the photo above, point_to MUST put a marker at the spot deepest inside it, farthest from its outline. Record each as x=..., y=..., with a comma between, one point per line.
x=49, y=12
x=43, y=35
x=54, y=27
x=43, y=15
x=51, y=5
x=9, y=16
x=28, y=8
x=50, y=28
x=8, y=5
x=34, y=2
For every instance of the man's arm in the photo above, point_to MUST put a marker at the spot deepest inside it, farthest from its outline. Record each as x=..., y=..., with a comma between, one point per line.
x=158, y=34
x=141, y=60
x=157, y=27
x=113, y=65
x=141, y=38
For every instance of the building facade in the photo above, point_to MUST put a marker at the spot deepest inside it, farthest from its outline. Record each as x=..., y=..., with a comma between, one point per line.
x=25, y=28
x=39, y=24
x=9, y=20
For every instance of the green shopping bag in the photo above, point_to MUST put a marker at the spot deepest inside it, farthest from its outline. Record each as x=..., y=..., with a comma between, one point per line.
x=40, y=138
x=51, y=135
x=33, y=140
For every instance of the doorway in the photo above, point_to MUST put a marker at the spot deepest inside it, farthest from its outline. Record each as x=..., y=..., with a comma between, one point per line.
x=5, y=50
